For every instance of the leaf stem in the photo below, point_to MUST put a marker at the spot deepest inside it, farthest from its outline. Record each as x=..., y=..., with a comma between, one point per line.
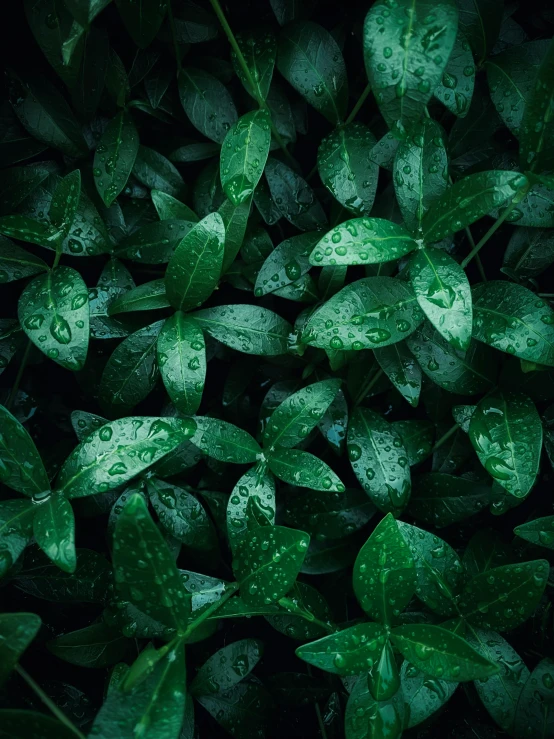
x=367, y=387
x=58, y=713
x=174, y=37
x=356, y=108
x=445, y=437
x=20, y=371
x=244, y=66
x=58, y=256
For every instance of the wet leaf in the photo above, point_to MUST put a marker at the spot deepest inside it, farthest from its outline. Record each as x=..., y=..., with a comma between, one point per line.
x=304, y=470
x=294, y=198
x=259, y=50
x=227, y=667
x=401, y=368
x=251, y=504
x=224, y=441
x=348, y=652
x=536, y=123
x=181, y=355
x=244, y=154
x=455, y=90
x=95, y=646
x=285, y=264
x=439, y=499
x=115, y=157
x=54, y=530
x=207, y=103
x=17, y=631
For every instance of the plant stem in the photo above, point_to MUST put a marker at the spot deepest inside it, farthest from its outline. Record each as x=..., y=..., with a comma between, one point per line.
x=15, y=386
x=367, y=387
x=59, y=714
x=58, y=252
x=356, y=108
x=174, y=37
x=254, y=90
x=445, y=437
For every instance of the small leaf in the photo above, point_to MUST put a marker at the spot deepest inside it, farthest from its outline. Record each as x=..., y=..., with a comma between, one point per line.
x=65, y=202
x=245, y=709
x=227, y=667
x=348, y=652
x=480, y=22
x=95, y=646
x=384, y=576
x=400, y=366
x=423, y=695
x=304, y=470
x=251, y=504
x=168, y=207
x=441, y=653
x=16, y=531
x=54, y=530
x=154, y=243
x=417, y=437
x=181, y=514
x=115, y=157
x=540, y=531
x=17, y=631
x=439, y=499
x=534, y=716
x=156, y=172
x=181, y=354
x=259, y=50
x=149, y=296
x=142, y=21
x=224, y=441
x=207, y=103
x=455, y=90
x=506, y=433
x=244, y=154
x=21, y=467
x=294, y=198
x=285, y=264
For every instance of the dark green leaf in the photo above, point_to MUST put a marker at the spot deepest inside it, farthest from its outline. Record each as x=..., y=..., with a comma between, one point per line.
x=285, y=264
x=294, y=198
x=224, y=441
x=168, y=207
x=227, y=667
x=19, y=724
x=88, y=89
x=16, y=530
x=17, y=631
x=535, y=707
x=181, y=514
x=540, y=531
x=244, y=710
x=423, y=695
x=54, y=530
x=348, y=652
x=26, y=229
x=21, y=467
x=455, y=90
x=366, y=718
x=142, y=20
x=401, y=368
x=149, y=296
x=207, y=103
x=154, y=243
x=480, y=21
x=259, y=50
x=439, y=499
x=181, y=354
x=65, y=201
x=304, y=470
x=156, y=172
x=529, y=252
x=94, y=646
x=417, y=437
x=251, y=504
x=244, y=154
x=115, y=157
x=536, y=123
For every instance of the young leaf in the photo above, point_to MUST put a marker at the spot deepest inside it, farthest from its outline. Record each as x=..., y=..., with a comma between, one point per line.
x=444, y=295
x=145, y=572
x=115, y=157
x=401, y=368
x=227, y=667
x=118, y=451
x=348, y=652
x=291, y=422
x=181, y=354
x=181, y=514
x=244, y=154
x=362, y=241
x=259, y=50
x=16, y=530
x=384, y=576
x=294, y=198
x=17, y=631
x=506, y=433
x=512, y=319
x=207, y=103
x=345, y=168
x=441, y=654
x=504, y=597
x=194, y=269
x=247, y=328
x=368, y=313
x=251, y=504
x=404, y=68
x=53, y=311
x=224, y=441
x=310, y=59
x=267, y=562
x=54, y=530
x=21, y=467
x=379, y=460
x=304, y=470
x=536, y=124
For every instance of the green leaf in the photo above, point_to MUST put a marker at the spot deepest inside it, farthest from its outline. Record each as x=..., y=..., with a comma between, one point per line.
x=47, y=117
x=132, y=370
x=440, y=574
x=247, y=328
x=512, y=319
x=405, y=52
x=16, y=530
x=310, y=59
x=142, y=20
x=480, y=21
x=227, y=667
x=362, y=241
x=251, y=504
x=387, y=716
x=17, y=183
x=194, y=268
x=327, y=517
x=145, y=572
x=154, y=707
x=19, y=724
x=536, y=123
x=244, y=154
x=529, y=252
x=54, y=313
x=455, y=90
x=156, y=172
x=259, y=51
x=85, y=11
x=303, y=614
x=384, y=576
x=26, y=229
x=154, y=243
x=534, y=711
x=506, y=433
x=118, y=451
x=466, y=373
x=444, y=295
x=540, y=531
x=267, y=562
x=291, y=422
x=294, y=198
x=17, y=631
x=439, y=499
x=345, y=168
x=65, y=201
x=441, y=653
x=536, y=209
x=303, y=470
x=224, y=441
x=181, y=514
x=207, y=103
x=285, y=264
x=468, y=200
x=168, y=207
x=420, y=172
x=54, y=530
x=379, y=460
x=95, y=646
x=181, y=354
x=21, y=467
x=401, y=368
x=504, y=597
x=368, y=313
x=423, y=695
x=348, y=652
x=115, y=157
x=510, y=75
x=417, y=437
x=245, y=709
x=88, y=89
x=149, y=296
x=500, y=693
x=235, y=220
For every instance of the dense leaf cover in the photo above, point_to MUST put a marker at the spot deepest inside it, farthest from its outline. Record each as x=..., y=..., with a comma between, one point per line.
x=277, y=357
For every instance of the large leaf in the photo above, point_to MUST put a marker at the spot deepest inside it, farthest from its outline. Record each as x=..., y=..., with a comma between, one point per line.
x=244, y=154
x=207, y=103
x=310, y=59
x=115, y=157
x=118, y=451
x=181, y=355
x=406, y=49
x=506, y=433
x=54, y=313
